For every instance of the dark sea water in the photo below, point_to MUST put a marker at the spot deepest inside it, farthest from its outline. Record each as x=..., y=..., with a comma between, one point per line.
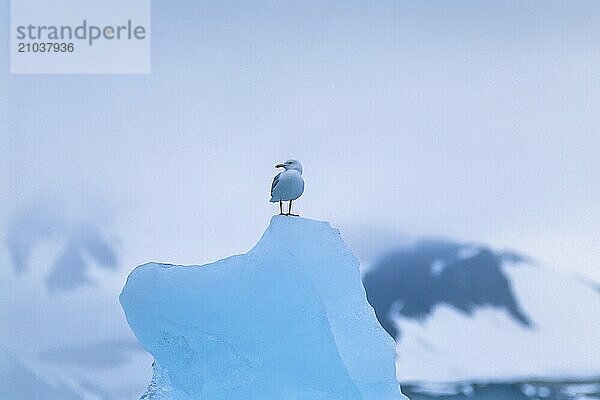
x=584, y=390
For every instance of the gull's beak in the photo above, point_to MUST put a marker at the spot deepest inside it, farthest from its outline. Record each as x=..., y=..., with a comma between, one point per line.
x=280, y=166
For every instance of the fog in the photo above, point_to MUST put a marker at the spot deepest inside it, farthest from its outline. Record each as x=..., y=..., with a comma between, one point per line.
x=474, y=122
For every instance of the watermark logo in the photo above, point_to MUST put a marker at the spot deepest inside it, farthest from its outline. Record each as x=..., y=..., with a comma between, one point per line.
x=74, y=36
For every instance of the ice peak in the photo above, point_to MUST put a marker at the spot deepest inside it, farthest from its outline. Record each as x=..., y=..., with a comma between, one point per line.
x=289, y=319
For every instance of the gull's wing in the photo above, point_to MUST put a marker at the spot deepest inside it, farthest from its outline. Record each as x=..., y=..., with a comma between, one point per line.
x=275, y=182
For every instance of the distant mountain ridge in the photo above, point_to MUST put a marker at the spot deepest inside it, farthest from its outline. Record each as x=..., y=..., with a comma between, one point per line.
x=466, y=312
x=436, y=271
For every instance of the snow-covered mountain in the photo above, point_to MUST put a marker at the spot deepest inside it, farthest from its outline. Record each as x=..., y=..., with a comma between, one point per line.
x=63, y=332
x=464, y=312
x=71, y=345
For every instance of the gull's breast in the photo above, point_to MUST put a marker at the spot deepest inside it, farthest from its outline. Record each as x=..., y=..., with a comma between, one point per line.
x=289, y=187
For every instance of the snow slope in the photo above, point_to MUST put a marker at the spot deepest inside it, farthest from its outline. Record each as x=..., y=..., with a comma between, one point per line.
x=480, y=315
x=64, y=342
x=288, y=320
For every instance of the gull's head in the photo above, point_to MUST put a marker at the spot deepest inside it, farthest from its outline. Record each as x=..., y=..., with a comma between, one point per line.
x=291, y=164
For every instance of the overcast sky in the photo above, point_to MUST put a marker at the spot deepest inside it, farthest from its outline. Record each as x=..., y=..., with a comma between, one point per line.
x=470, y=120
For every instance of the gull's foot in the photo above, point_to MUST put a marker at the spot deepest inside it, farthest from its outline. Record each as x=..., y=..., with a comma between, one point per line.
x=292, y=215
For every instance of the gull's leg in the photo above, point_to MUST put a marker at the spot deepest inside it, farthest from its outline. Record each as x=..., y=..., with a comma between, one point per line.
x=280, y=208
x=290, y=210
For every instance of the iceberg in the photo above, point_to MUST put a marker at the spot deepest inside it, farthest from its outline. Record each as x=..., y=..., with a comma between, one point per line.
x=287, y=320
